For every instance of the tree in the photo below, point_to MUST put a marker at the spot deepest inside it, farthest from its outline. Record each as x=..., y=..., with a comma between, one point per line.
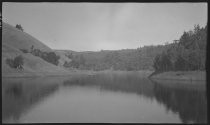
x=166, y=62
x=185, y=40
x=157, y=63
x=187, y=54
x=194, y=60
x=24, y=50
x=70, y=56
x=82, y=60
x=52, y=58
x=180, y=64
x=74, y=63
x=197, y=28
x=162, y=62
x=18, y=62
x=18, y=26
x=67, y=64
x=32, y=48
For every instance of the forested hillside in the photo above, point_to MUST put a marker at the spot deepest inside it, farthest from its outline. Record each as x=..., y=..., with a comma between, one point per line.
x=188, y=54
x=125, y=59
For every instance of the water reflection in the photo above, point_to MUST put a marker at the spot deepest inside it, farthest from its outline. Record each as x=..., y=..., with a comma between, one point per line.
x=191, y=104
x=186, y=99
x=19, y=96
x=123, y=83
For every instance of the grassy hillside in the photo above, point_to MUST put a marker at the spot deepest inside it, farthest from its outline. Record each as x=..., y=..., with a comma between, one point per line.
x=20, y=40
x=12, y=41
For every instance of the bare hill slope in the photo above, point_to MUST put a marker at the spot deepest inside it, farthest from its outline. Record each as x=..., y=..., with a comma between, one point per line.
x=19, y=39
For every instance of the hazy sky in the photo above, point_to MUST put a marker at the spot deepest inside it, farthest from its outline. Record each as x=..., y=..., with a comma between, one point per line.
x=96, y=26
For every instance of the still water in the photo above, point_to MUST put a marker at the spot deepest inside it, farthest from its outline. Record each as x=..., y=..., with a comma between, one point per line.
x=107, y=97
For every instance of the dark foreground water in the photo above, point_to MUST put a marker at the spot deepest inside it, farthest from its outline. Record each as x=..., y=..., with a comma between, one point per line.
x=110, y=98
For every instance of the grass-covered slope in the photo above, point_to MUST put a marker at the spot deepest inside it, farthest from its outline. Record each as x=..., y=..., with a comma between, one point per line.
x=20, y=40
x=12, y=41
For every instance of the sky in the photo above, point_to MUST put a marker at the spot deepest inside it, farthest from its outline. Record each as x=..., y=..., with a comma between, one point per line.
x=104, y=26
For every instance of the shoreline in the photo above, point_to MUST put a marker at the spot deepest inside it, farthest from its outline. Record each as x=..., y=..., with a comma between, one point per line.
x=181, y=75
x=144, y=73
x=44, y=74
x=172, y=75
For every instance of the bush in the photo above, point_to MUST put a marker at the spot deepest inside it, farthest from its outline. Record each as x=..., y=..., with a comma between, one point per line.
x=18, y=26
x=67, y=64
x=16, y=63
x=50, y=57
x=70, y=56
x=24, y=50
x=74, y=64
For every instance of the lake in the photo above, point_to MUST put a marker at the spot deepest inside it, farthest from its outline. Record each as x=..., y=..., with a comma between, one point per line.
x=124, y=97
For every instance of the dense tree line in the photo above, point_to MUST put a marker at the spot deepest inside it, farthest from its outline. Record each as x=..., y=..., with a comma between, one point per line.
x=50, y=57
x=78, y=61
x=187, y=54
x=127, y=59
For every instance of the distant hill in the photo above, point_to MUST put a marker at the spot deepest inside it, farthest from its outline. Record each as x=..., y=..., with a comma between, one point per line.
x=125, y=59
x=12, y=41
x=189, y=53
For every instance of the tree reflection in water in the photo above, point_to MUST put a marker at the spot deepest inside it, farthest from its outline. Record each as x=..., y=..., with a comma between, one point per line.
x=188, y=101
x=190, y=104
x=18, y=96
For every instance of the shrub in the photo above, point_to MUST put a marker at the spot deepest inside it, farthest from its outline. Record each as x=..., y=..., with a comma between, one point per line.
x=18, y=26
x=24, y=50
x=50, y=57
x=74, y=64
x=16, y=63
x=67, y=64
x=70, y=56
